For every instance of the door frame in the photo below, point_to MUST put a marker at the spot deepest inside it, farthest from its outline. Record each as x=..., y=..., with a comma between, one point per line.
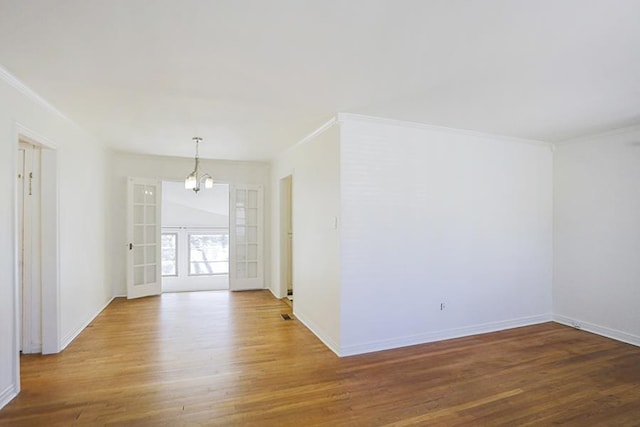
x=286, y=210
x=49, y=245
x=29, y=240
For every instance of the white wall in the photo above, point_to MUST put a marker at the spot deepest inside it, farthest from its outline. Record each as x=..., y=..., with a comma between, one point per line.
x=432, y=215
x=314, y=164
x=173, y=169
x=597, y=234
x=208, y=208
x=83, y=188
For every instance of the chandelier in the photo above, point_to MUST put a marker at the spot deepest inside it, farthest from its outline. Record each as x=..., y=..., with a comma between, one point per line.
x=195, y=178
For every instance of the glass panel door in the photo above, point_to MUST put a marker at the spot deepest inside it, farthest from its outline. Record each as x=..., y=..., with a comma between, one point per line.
x=246, y=237
x=143, y=229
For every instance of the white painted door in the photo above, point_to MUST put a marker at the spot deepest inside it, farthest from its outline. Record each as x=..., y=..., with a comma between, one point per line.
x=143, y=234
x=246, y=232
x=29, y=247
x=20, y=191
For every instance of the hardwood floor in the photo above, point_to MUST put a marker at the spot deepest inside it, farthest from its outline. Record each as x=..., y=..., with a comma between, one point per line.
x=219, y=358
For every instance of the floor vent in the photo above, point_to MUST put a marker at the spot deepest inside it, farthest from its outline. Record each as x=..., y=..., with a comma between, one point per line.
x=286, y=316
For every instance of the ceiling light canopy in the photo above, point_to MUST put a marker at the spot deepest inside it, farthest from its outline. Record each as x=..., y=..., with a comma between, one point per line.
x=195, y=179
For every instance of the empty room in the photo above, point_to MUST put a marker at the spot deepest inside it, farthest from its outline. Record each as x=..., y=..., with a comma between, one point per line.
x=319, y=212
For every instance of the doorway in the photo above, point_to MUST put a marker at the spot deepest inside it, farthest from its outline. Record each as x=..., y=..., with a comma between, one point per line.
x=37, y=321
x=286, y=236
x=195, y=238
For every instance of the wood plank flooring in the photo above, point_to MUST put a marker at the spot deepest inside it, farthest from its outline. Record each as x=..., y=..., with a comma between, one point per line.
x=228, y=359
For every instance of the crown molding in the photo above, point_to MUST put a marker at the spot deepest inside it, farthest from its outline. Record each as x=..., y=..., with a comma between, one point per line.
x=344, y=117
x=17, y=84
x=599, y=135
x=30, y=93
x=314, y=134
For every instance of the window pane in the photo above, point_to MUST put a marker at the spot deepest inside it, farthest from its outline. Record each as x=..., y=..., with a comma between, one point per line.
x=208, y=254
x=169, y=254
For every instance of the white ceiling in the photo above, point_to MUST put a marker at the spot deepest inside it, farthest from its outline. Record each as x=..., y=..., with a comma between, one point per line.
x=253, y=76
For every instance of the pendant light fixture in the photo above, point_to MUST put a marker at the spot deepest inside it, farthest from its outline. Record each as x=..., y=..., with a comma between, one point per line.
x=195, y=179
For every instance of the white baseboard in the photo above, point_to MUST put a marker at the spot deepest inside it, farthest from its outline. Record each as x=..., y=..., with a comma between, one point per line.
x=317, y=332
x=598, y=330
x=275, y=295
x=68, y=338
x=446, y=334
x=7, y=395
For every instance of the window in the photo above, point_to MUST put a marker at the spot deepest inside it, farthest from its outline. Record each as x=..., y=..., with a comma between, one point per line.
x=169, y=252
x=209, y=253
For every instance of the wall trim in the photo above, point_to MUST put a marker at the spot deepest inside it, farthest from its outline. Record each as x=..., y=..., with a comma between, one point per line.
x=30, y=93
x=598, y=135
x=598, y=330
x=446, y=334
x=314, y=134
x=31, y=136
x=317, y=332
x=343, y=117
x=68, y=338
x=8, y=394
x=275, y=295
x=21, y=87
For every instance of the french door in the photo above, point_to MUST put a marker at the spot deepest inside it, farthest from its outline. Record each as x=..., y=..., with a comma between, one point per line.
x=143, y=237
x=246, y=231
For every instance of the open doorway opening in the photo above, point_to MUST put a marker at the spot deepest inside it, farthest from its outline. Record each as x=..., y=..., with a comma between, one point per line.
x=195, y=238
x=286, y=236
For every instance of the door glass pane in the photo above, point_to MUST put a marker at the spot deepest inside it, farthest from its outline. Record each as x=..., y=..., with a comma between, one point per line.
x=138, y=234
x=241, y=252
x=241, y=270
x=252, y=270
x=150, y=214
x=253, y=199
x=138, y=193
x=252, y=216
x=252, y=252
x=241, y=198
x=138, y=275
x=151, y=273
x=252, y=234
x=150, y=193
x=138, y=214
x=240, y=235
x=150, y=236
x=150, y=257
x=138, y=255
x=240, y=216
